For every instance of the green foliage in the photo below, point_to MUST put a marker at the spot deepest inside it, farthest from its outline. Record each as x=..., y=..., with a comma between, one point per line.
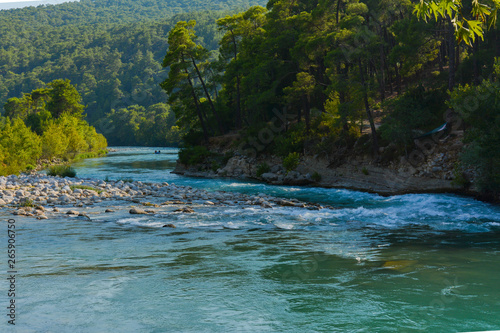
x=215, y=166
x=291, y=162
x=459, y=177
x=465, y=29
x=411, y=115
x=51, y=134
x=479, y=107
x=19, y=147
x=194, y=155
x=291, y=141
x=316, y=177
x=61, y=170
x=262, y=169
x=135, y=125
x=27, y=203
x=110, y=50
x=85, y=187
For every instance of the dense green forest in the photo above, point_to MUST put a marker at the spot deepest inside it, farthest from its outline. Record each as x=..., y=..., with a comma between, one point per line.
x=45, y=124
x=317, y=77
x=306, y=77
x=111, y=51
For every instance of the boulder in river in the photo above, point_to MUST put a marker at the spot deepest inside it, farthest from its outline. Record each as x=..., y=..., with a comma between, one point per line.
x=137, y=211
x=188, y=210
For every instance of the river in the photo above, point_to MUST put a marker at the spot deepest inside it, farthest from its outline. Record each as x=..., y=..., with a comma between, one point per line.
x=410, y=263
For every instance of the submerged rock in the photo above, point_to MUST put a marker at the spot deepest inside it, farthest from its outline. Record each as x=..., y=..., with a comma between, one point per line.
x=169, y=225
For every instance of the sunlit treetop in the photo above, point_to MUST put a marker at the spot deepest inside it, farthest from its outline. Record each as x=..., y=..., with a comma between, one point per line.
x=468, y=25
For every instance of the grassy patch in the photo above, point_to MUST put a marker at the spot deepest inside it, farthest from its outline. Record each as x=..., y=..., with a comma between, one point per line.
x=84, y=187
x=62, y=170
x=27, y=203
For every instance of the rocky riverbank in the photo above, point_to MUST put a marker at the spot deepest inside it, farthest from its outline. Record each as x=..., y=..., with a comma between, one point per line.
x=430, y=171
x=43, y=197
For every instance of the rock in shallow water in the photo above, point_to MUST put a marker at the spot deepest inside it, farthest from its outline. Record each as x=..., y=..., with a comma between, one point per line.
x=137, y=211
x=188, y=210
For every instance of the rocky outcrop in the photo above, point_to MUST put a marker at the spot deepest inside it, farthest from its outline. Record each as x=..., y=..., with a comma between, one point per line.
x=434, y=174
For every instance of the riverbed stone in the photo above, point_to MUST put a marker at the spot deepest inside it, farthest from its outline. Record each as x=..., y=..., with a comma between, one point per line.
x=137, y=211
x=187, y=210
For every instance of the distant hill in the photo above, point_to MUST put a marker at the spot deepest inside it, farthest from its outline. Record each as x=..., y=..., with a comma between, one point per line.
x=22, y=4
x=110, y=49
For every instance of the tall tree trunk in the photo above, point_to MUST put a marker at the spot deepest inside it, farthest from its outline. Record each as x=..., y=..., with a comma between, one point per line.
x=196, y=103
x=216, y=114
x=368, y=112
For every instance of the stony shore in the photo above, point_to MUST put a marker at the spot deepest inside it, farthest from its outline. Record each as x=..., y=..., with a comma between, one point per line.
x=433, y=173
x=354, y=175
x=43, y=197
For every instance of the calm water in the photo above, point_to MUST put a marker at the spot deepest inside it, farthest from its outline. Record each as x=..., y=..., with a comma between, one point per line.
x=413, y=263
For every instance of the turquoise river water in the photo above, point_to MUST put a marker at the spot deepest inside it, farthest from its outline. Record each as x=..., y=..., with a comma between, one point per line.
x=410, y=263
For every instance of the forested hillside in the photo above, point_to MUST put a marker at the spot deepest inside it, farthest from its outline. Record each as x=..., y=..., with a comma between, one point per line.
x=309, y=77
x=111, y=50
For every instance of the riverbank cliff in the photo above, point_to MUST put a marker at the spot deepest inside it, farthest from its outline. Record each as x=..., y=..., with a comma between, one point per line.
x=430, y=168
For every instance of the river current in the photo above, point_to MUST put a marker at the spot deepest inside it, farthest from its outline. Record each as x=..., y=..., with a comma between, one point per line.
x=409, y=263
